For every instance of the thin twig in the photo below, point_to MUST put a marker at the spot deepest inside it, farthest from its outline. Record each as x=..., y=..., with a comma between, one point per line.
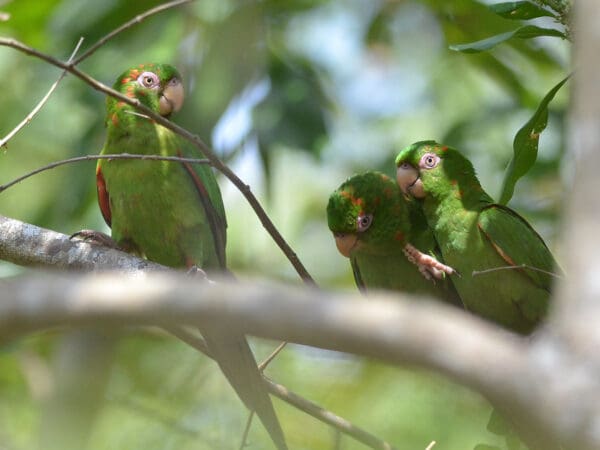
x=136, y=20
x=63, y=162
x=263, y=365
x=431, y=445
x=194, y=139
x=337, y=440
x=517, y=267
x=246, y=430
x=323, y=415
x=42, y=102
x=290, y=397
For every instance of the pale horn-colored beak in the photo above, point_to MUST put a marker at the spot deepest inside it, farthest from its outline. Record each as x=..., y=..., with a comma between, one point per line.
x=409, y=181
x=345, y=243
x=171, y=98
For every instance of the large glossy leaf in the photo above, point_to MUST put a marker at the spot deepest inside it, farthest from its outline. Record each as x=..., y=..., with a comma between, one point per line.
x=520, y=10
x=525, y=32
x=525, y=145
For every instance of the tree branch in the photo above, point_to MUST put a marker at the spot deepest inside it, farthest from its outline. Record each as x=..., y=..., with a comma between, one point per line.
x=29, y=245
x=136, y=20
x=525, y=378
x=299, y=402
x=386, y=327
x=41, y=103
x=75, y=159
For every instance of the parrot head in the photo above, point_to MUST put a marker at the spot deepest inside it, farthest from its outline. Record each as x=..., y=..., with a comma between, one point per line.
x=363, y=212
x=427, y=168
x=157, y=86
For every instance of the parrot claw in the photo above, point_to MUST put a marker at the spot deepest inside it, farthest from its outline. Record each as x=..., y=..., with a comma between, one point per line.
x=196, y=271
x=95, y=237
x=429, y=267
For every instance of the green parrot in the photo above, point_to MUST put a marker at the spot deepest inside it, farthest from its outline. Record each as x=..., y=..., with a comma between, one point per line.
x=506, y=268
x=377, y=228
x=172, y=212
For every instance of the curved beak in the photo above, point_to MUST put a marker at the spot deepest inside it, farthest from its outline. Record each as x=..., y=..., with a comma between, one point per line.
x=345, y=243
x=409, y=180
x=171, y=98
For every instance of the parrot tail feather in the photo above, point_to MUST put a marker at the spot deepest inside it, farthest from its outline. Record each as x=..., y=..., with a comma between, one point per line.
x=235, y=358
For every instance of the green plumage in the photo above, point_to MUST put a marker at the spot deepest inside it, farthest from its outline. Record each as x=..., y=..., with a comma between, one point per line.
x=155, y=206
x=172, y=212
x=377, y=257
x=476, y=234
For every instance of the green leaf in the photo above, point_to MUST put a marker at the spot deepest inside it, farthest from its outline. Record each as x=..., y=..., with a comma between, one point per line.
x=520, y=10
x=525, y=32
x=525, y=145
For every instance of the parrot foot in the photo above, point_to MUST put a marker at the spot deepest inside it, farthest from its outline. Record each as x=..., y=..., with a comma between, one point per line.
x=95, y=237
x=196, y=271
x=429, y=267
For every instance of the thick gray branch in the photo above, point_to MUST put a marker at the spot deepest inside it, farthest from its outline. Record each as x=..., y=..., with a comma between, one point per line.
x=386, y=327
x=523, y=378
x=579, y=295
x=27, y=245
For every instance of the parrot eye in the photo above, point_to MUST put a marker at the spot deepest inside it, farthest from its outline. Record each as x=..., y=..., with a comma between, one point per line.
x=363, y=222
x=148, y=80
x=429, y=161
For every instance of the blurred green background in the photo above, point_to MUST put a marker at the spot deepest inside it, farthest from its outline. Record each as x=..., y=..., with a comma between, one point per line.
x=295, y=96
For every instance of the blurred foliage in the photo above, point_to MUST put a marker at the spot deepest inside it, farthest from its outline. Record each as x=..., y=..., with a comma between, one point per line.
x=296, y=96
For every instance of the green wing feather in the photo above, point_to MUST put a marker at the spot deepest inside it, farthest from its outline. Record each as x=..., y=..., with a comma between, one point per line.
x=518, y=244
x=358, y=279
x=211, y=200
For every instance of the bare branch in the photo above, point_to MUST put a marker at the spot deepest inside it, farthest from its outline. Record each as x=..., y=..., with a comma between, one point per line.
x=136, y=20
x=385, y=327
x=526, y=378
x=244, y=439
x=263, y=365
x=323, y=415
x=194, y=139
x=42, y=102
x=516, y=374
x=28, y=245
x=578, y=295
x=63, y=162
x=299, y=402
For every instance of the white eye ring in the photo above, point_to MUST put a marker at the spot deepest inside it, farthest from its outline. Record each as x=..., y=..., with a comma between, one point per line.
x=148, y=80
x=363, y=222
x=429, y=161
